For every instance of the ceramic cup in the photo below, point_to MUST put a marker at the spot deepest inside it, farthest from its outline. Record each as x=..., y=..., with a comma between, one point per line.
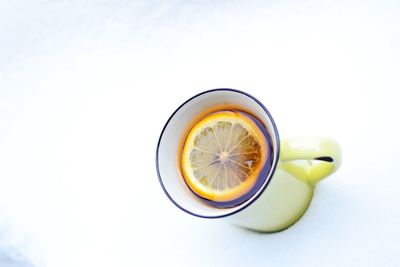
x=297, y=165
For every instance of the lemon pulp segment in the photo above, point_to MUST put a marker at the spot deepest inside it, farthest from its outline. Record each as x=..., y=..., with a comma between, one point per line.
x=222, y=156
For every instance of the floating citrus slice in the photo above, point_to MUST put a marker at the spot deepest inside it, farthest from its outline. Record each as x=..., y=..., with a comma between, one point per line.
x=223, y=155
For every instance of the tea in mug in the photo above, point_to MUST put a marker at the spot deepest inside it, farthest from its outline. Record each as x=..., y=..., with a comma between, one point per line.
x=225, y=156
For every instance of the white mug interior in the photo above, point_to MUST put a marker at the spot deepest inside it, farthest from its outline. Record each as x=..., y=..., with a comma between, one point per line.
x=171, y=138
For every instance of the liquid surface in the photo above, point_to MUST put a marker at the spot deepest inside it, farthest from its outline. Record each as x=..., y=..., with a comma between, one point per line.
x=224, y=156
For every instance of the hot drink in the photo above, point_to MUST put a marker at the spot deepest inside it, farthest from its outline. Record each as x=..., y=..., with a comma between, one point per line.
x=225, y=156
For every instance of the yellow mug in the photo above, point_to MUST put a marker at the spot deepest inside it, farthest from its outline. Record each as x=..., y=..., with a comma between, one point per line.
x=297, y=166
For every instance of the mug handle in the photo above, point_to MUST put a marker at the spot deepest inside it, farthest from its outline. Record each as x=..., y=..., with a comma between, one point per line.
x=310, y=158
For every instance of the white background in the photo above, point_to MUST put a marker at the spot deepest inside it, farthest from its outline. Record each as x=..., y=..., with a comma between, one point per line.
x=86, y=87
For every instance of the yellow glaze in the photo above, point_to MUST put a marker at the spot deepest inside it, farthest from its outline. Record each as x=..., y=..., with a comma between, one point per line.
x=308, y=158
x=302, y=163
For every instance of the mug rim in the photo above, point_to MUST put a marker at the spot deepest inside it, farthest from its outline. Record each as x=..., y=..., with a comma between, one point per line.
x=271, y=171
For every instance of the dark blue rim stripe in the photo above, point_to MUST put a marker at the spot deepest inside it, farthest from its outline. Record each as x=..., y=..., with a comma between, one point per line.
x=272, y=170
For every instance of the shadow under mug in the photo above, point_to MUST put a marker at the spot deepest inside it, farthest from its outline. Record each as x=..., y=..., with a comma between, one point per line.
x=297, y=165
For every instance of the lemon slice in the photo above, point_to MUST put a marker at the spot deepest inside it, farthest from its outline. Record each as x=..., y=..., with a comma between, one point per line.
x=223, y=155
